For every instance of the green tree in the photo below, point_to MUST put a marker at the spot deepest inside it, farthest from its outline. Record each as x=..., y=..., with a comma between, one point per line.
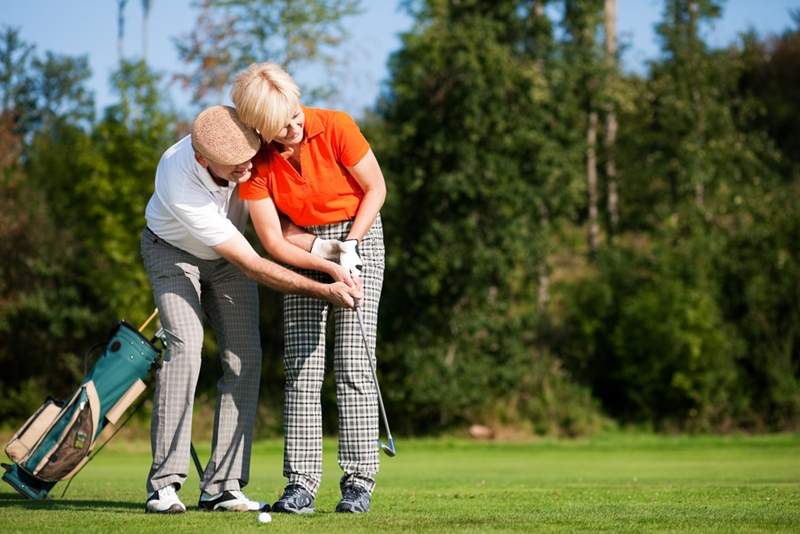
x=771, y=76
x=44, y=314
x=474, y=147
x=665, y=329
x=102, y=193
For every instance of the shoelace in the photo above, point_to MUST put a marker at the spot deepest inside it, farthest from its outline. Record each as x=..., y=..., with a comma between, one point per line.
x=239, y=494
x=351, y=493
x=292, y=492
x=169, y=491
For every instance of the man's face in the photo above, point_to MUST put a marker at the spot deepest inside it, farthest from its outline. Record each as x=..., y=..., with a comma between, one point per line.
x=292, y=133
x=221, y=174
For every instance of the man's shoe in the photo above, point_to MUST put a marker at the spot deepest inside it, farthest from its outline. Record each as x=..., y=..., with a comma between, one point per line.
x=164, y=501
x=355, y=500
x=229, y=500
x=295, y=500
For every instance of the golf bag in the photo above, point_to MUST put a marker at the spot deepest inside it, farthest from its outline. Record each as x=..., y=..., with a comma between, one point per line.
x=57, y=440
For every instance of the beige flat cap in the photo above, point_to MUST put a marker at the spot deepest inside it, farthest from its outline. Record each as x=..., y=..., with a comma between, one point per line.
x=221, y=137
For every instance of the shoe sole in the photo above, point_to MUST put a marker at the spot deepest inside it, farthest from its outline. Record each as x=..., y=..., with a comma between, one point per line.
x=174, y=509
x=348, y=510
x=242, y=507
x=300, y=511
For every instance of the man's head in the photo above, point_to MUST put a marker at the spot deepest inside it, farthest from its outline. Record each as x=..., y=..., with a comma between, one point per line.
x=266, y=98
x=224, y=144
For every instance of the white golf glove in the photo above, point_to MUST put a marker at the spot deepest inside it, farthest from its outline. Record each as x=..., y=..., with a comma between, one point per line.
x=326, y=248
x=349, y=258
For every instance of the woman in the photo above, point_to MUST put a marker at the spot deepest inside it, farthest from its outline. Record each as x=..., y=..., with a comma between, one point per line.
x=316, y=168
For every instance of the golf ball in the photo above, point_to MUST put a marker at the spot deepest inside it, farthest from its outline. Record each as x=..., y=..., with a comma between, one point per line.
x=264, y=517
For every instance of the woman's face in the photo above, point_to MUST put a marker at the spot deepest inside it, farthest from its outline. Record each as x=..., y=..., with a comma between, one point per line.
x=292, y=133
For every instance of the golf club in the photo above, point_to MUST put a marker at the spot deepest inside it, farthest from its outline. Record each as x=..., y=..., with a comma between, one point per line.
x=196, y=460
x=388, y=449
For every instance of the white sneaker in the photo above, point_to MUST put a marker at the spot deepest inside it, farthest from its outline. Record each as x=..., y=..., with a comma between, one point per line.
x=164, y=501
x=231, y=500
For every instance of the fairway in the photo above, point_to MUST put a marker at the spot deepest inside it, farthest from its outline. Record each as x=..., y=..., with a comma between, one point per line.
x=612, y=483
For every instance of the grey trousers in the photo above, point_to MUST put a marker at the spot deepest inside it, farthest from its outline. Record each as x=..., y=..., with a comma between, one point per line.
x=181, y=283
x=305, y=328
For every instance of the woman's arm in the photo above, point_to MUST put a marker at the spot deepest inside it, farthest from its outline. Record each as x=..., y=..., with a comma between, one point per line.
x=369, y=176
x=294, y=234
x=238, y=251
x=268, y=227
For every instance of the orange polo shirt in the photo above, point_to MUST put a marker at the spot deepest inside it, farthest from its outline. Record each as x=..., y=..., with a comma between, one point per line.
x=325, y=192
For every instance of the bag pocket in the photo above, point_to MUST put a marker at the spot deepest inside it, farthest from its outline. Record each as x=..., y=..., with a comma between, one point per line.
x=32, y=431
x=72, y=447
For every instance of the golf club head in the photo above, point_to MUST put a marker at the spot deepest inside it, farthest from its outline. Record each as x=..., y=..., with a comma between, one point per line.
x=388, y=449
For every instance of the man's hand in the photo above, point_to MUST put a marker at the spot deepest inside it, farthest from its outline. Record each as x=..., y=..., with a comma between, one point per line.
x=342, y=295
x=328, y=249
x=349, y=257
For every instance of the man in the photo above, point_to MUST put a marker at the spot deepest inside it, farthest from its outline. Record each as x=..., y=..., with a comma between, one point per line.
x=198, y=260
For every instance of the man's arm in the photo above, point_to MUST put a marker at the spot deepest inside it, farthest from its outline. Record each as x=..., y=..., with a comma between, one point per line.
x=241, y=254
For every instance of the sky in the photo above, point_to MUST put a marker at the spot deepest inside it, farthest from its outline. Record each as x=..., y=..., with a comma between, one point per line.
x=89, y=27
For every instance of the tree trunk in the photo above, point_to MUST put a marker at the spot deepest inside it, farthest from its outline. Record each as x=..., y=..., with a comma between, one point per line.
x=698, y=174
x=145, y=28
x=591, y=172
x=543, y=290
x=611, y=116
x=121, y=28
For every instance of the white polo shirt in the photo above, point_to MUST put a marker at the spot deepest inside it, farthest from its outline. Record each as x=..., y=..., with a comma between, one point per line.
x=188, y=209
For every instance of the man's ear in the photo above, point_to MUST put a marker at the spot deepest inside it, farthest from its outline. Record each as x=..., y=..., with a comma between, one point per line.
x=198, y=157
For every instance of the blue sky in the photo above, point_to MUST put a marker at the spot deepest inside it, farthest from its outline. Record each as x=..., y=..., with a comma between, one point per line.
x=78, y=27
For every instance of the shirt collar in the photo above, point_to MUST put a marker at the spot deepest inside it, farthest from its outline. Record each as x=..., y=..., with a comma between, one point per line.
x=313, y=126
x=208, y=181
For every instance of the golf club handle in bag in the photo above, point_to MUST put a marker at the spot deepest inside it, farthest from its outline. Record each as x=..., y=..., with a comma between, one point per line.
x=388, y=449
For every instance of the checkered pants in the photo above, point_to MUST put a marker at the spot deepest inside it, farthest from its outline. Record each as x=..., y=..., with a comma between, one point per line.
x=305, y=327
x=180, y=283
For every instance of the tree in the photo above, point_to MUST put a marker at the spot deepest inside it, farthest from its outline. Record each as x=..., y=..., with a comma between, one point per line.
x=703, y=199
x=43, y=311
x=232, y=34
x=146, y=4
x=114, y=190
x=474, y=147
x=770, y=77
x=121, y=29
x=581, y=25
x=16, y=82
x=610, y=20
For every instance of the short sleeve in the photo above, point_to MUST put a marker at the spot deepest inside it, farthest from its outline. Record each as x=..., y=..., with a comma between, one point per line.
x=351, y=143
x=257, y=187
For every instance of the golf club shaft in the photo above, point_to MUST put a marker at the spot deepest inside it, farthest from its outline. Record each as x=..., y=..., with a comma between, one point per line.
x=374, y=374
x=196, y=460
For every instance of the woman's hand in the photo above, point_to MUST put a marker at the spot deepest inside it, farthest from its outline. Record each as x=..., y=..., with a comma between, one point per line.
x=350, y=258
x=342, y=274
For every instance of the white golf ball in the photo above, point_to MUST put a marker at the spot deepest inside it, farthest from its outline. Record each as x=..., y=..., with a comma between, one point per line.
x=264, y=517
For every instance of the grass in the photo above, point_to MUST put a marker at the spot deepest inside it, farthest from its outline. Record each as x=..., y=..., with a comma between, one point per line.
x=607, y=483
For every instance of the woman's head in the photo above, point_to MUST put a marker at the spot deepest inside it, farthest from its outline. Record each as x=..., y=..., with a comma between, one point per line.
x=265, y=97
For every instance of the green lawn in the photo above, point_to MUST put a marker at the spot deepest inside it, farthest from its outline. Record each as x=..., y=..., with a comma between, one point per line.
x=612, y=483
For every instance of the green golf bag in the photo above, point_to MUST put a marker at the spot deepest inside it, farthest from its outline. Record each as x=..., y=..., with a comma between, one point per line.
x=57, y=440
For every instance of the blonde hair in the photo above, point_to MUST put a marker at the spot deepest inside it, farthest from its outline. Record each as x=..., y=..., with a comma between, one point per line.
x=265, y=97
